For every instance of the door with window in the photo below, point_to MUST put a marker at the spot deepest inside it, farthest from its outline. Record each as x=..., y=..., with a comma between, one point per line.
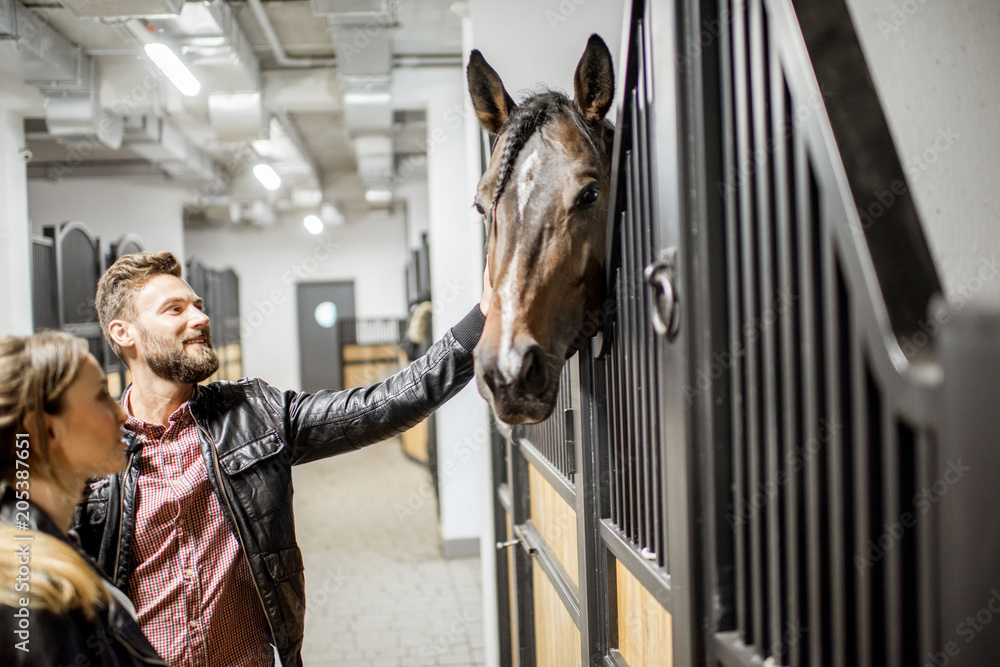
x=321, y=307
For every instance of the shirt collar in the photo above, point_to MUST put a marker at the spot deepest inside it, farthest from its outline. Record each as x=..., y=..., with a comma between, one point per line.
x=179, y=416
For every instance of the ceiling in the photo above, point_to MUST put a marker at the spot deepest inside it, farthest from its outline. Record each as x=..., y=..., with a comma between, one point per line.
x=304, y=85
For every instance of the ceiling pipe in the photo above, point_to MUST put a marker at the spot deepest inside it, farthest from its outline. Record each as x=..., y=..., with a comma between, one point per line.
x=279, y=51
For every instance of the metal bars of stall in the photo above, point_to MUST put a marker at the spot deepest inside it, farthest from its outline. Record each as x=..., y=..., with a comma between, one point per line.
x=44, y=286
x=553, y=438
x=822, y=462
x=77, y=270
x=634, y=367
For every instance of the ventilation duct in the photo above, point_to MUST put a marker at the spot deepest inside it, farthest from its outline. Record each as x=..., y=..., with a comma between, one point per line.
x=355, y=12
x=117, y=8
x=32, y=50
x=236, y=116
x=160, y=142
x=362, y=36
x=80, y=116
x=367, y=106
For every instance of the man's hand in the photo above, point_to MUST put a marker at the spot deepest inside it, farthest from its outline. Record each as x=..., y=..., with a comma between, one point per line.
x=484, y=303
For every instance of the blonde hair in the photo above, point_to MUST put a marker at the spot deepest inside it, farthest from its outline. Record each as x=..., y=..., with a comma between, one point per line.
x=116, y=289
x=60, y=580
x=35, y=372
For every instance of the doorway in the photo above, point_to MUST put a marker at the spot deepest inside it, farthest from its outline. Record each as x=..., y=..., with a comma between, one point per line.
x=321, y=309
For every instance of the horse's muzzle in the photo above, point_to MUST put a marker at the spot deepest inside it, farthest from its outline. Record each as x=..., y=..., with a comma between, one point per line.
x=519, y=381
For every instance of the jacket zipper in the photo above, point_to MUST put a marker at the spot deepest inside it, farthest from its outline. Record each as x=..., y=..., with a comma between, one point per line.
x=121, y=513
x=236, y=525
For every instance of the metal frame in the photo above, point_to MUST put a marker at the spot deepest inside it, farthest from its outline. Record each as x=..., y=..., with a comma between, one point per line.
x=90, y=329
x=833, y=356
x=753, y=192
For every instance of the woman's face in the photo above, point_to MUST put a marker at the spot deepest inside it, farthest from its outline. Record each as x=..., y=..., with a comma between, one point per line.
x=86, y=437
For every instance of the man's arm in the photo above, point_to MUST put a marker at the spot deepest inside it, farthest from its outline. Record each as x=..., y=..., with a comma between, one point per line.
x=333, y=422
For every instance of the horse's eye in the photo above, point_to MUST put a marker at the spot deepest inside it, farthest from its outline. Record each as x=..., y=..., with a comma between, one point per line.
x=479, y=208
x=588, y=198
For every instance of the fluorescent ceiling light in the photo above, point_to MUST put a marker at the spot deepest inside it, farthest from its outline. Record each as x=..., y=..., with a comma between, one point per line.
x=378, y=196
x=172, y=66
x=313, y=224
x=267, y=176
x=367, y=97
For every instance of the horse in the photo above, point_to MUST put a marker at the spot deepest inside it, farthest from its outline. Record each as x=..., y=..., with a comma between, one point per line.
x=544, y=201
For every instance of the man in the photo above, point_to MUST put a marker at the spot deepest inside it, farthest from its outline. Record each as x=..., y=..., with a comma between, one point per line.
x=198, y=528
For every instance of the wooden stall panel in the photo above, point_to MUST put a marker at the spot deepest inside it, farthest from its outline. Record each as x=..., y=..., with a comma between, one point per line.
x=511, y=590
x=115, y=386
x=556, y=523
x=557, y=639
x=415, y=442
x=368, y=364
x=645, y=631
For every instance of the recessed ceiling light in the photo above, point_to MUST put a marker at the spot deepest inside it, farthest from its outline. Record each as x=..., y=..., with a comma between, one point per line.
x=313, y=224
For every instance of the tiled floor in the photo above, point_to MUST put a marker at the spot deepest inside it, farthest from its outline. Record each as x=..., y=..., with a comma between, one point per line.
x=379, y=591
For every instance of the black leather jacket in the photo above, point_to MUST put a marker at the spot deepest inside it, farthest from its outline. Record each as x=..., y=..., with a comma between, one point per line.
x=251, y=436
x=111, y=639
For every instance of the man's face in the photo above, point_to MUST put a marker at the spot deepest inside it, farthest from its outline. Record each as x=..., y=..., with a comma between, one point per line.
x=174, y=337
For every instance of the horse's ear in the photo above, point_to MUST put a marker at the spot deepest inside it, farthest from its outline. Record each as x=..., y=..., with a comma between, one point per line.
x=492, y=103
x=594, y=81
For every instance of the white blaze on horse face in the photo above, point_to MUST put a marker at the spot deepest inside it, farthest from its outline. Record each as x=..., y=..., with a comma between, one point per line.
x=508, y=311
x=526, y=182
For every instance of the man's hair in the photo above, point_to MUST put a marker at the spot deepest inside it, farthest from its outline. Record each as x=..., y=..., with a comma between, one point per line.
x=117, y=288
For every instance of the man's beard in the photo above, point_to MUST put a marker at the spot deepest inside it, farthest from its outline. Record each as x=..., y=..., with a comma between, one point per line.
x=171, y=361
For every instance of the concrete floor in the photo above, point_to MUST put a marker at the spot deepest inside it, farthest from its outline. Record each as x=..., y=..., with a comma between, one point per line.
x=379, y=592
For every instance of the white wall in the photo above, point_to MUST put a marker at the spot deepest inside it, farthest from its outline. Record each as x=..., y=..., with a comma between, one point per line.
x=15, y=242
x=936, y=67
x=17, y=100
x=456, y=241
x=271, y=261
x=150, y=207
x=413, y=191
x=532, y=42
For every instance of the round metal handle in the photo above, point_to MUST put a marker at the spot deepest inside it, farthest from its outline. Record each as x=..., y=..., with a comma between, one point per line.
x=666, y=314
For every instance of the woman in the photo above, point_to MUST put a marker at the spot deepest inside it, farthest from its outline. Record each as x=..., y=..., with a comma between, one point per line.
x=59, y=427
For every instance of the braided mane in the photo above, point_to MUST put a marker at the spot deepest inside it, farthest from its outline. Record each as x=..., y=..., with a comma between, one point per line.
x=527, y=117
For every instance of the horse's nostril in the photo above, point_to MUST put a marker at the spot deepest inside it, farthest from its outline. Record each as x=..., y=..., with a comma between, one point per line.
x=490, y=379
x=534, y=375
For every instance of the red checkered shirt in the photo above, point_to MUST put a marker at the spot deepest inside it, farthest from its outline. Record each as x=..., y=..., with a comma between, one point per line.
x=191, y=585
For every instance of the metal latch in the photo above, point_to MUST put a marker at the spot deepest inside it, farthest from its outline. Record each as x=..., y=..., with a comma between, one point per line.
x=522, y=537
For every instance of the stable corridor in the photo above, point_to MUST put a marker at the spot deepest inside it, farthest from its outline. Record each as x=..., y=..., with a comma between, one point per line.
x=379, y=591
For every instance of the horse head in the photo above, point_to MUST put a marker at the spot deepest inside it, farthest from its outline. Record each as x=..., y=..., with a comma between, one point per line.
x=544, y=199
